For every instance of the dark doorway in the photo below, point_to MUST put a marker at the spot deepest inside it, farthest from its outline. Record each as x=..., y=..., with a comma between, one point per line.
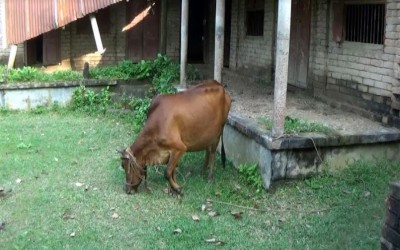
x=227, y=32
x=43, y=50
x=197, y=30
x=143, y=29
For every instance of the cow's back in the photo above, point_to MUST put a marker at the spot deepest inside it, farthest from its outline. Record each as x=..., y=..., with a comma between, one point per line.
x=195, y=116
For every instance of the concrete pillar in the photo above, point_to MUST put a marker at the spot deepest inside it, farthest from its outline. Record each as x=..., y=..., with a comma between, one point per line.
x=163, y=27
x=184, y=40
x=96, y=34
x=11, y=58
x=281, y=67
x=219, y=39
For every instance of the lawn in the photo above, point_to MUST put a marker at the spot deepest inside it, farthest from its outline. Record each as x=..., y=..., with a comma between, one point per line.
x=63, y=189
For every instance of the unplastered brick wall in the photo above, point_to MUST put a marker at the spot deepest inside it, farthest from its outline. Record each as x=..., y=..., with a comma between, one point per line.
x=318, y=44
x=82, y=47
x=173, y=28
x=252, y=51
x=357, y=76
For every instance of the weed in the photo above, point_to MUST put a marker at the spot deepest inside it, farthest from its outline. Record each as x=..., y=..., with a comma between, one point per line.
x=251, y=175
x=87, y=100
x=295, y=125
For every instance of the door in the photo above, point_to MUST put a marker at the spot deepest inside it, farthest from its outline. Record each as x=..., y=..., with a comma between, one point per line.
x=143, y=34
x=43, y=50
x=51, y=48
x=299, y=43
x=198, y=26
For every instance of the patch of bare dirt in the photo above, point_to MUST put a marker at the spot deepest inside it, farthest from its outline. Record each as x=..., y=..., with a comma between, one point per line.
x=255, y=100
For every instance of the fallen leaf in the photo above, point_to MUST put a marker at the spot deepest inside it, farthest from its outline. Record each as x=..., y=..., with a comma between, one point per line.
x=177, y=231
x=55, y=158
x=203, y=207
x=18, y=181
x=213, y=213
x=366, y=194
x=217, y=193
x=158, y=228
x=237, y=215
x=67, y=215
x=282, y=219
x=115, y=216
x=86, y=187
x=72, y=234
x=78, y=184
x=215, y=241
x=195, y=217
x=166, y=190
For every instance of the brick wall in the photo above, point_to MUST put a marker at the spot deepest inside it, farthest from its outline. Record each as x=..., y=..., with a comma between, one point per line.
x=352, y=75
x=249, y=52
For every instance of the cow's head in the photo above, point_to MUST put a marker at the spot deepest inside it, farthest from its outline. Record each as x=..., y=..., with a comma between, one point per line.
x=134, y=173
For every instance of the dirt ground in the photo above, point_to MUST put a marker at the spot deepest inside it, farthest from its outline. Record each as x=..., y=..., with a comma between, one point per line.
x=254, y=100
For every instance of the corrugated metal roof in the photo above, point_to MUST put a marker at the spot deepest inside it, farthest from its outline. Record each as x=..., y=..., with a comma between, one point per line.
x=26, y=19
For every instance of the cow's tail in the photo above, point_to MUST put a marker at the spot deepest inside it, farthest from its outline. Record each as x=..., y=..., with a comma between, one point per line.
x=223, y=157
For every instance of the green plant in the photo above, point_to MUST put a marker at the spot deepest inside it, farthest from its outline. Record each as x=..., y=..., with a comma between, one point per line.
x=140, y=107
x=295, y=125
x=251, y=174
x=87, y=100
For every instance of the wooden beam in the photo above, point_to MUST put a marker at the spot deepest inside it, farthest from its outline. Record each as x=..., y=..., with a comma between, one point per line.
x=281, y=67
x=219, y=39
x=96, y=34
x=13, y=55
x=184, y=40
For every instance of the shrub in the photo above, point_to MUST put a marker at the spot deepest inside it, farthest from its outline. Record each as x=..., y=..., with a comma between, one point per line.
x=251, y=174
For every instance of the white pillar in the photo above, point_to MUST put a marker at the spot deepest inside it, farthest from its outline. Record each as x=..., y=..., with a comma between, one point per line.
x=281, y=67
x=184, y=40
x=13, y=54
x=219, y=39
x=96, y=34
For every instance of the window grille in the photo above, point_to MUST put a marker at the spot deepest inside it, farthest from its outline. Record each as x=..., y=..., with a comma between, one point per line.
x=365, y=23
x=255, y=23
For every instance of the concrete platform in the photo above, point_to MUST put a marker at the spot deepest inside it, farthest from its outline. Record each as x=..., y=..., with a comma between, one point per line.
x=295, y=156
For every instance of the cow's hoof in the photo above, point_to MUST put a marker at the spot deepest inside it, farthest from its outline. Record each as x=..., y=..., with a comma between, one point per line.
x=177, y=191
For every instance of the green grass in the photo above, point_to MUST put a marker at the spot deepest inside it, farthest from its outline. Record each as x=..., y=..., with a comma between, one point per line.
x=51, y=152
x=295, y=125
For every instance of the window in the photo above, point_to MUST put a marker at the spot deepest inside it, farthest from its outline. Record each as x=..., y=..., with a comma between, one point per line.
x=255, y=17
x=364, y=23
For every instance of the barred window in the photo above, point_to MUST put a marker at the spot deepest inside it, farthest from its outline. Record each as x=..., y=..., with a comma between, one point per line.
x=365, y=23
x=255, y=17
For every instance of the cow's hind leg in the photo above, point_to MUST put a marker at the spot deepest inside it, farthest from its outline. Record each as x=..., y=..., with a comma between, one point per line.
x=170, y=170
x=209, y=161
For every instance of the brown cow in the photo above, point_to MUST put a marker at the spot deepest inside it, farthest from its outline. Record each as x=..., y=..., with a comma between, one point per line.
x=192, y=120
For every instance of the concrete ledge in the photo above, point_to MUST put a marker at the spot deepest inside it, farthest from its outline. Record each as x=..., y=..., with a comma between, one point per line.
x=22, y=96
x=294, y=156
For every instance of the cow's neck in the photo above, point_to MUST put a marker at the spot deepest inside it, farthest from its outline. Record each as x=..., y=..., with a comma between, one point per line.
x=141, y=149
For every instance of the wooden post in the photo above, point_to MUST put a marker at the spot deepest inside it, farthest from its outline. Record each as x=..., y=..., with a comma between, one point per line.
x=281, y=67
x=96, y=34
x=184, y=40
x=219, y=39
x=163, y=27
x=11, y=58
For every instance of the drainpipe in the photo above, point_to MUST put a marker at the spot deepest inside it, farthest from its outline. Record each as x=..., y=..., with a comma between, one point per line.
x=184, y=40
x=13, y=54
x=281, y=67
x=96, y=34
x=219, y=39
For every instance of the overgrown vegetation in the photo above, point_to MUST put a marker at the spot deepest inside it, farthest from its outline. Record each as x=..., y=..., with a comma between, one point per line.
x=63, y=188
x=295, y=125
x=251, y=174
x=162, y=72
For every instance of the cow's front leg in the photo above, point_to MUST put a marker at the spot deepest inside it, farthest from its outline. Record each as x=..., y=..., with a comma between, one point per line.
x=145, y=180
x=170, y=170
